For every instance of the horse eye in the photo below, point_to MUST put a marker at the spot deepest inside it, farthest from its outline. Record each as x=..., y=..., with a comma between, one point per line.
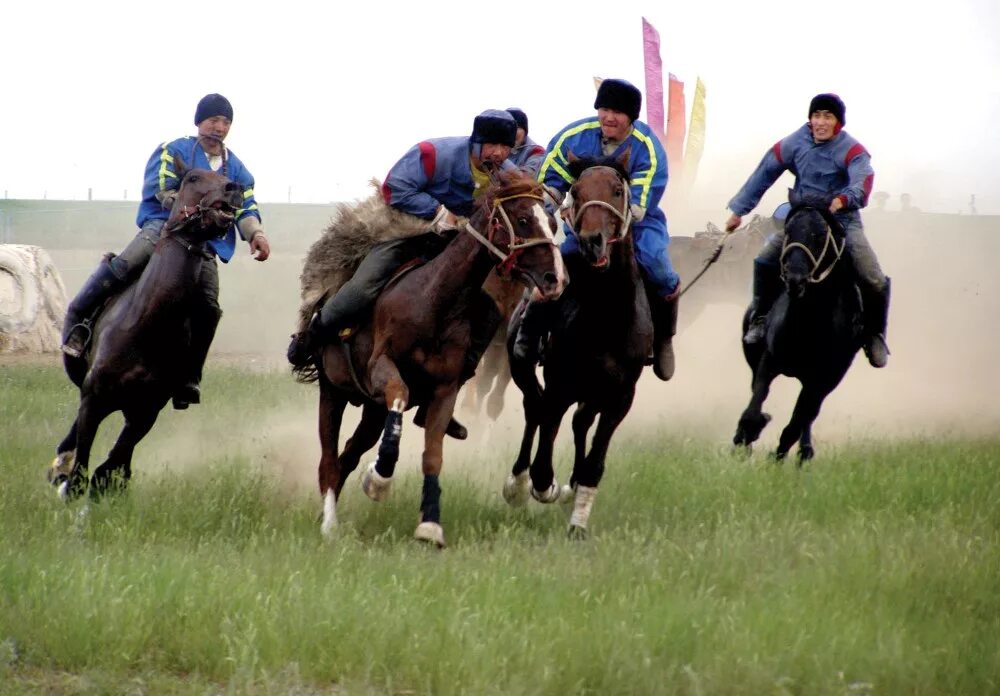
x=619, y=191
x=522, y=221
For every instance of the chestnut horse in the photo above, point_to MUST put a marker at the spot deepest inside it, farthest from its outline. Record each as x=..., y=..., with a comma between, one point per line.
x=597, y=347
x=140, y=342
x=413, y=351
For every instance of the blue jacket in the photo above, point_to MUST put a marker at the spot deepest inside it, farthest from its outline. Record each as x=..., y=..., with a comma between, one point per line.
x=840, y=167
x=528, y=157
x=647, y=163
x=432, y=173
x=161, y=176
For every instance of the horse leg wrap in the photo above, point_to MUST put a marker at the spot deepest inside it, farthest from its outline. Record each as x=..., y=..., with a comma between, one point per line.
x=329, y=523
x=430, y=503
x=582, y=504
x=388, y=449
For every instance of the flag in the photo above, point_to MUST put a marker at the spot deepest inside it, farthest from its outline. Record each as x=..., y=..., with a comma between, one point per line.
x=676, y=126
x=696, y=135
x=654, y=77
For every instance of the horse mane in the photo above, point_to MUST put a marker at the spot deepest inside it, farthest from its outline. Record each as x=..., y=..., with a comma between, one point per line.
x=509, y=182
x=577, y=166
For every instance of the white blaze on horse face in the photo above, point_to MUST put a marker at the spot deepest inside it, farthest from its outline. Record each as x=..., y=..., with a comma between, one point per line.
x=543, y=221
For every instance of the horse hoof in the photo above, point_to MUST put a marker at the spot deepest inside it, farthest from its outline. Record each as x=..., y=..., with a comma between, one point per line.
x=576, y=533
x=516, y=489
x=806, y=452
x=778, y=455
x=60, y=468
x=550, y=495
x=567, y=494
x=62, y=489
x=430, y=533
x=374, y=484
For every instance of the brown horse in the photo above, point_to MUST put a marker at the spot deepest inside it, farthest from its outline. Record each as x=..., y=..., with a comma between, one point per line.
x=597, y=347
x=413, y=351
x=140, y=342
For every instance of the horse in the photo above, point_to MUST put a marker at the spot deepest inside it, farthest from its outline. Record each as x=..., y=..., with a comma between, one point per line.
x=140, y=342
x=413, y=350
x=814, y=329
x=596, y=349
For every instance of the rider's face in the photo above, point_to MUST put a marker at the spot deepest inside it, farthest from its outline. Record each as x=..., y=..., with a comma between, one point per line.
x=215, y=127
x=494, y=153
x=824, y=125
x=614, y=124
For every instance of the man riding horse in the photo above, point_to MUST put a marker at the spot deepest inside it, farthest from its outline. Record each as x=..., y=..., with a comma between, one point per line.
x=526, y=155
x=615, y=131
x=437, y=180
x=213, y=117
x=826, y=161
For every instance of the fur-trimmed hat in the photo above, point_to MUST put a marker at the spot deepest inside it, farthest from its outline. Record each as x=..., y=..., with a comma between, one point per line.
x=520, y=117
x=213, y=105
x=829, y=102
x=494, y=126
x=621, y=96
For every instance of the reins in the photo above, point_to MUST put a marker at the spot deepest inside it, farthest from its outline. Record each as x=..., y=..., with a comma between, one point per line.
x=829, y=242
x=507, y=262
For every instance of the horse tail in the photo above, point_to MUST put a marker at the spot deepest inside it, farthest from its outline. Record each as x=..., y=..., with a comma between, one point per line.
x=308, y=373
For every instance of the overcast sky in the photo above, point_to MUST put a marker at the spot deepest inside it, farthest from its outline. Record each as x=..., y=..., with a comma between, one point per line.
x=327, y=97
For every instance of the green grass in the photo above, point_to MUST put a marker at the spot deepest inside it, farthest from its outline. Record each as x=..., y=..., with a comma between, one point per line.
x=873, y=570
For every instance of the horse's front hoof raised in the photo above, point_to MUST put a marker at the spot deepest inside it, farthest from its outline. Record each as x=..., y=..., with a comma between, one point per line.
x=430, y=533
x=374, y=484
x=516, y=489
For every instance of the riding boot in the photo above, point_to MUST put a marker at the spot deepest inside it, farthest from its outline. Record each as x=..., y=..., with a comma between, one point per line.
x=766, y=288
x=664, y=313
x=302, y=347
x=532, y=331
x=80, y=314
x=876, y=313
x=454, y=430
x=203, y=324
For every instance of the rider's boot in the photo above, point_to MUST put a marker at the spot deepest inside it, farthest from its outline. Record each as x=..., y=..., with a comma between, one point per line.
x=876, y=313
x=302, y=347
x=98, y=288
x=203, y=324
x=455, y=429
x=531, y=332
x=766, y=288
x=664, y=313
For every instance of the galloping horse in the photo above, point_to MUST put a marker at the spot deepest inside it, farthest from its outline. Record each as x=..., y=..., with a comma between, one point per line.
x=597, y=347
x=813, y=329
x=140, y=342
x=413, y=350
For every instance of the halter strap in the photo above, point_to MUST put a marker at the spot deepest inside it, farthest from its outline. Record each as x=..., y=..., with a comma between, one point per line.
x=499, y=214
x=624, y=215
x=829, y=242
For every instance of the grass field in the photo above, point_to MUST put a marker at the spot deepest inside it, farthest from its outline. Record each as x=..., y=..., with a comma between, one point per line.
x=874, y=570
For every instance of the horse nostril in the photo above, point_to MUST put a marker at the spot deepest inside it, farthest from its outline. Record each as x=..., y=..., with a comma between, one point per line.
x=550, y=278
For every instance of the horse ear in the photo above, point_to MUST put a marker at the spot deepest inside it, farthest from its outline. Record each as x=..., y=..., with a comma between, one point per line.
x=180, y=168
x=624, y=157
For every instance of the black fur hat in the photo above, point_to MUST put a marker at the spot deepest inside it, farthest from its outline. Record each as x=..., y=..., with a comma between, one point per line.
x=494, y=126
x=520, y=117
x=829, y=102
x=621, y=96
x=213, y=105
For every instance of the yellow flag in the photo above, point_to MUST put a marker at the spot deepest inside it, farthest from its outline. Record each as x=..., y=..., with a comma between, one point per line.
x=597, y=82
x=696, y=135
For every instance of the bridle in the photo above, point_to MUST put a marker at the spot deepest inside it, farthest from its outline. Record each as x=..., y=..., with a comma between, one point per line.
x=499, y=217
x=624, y=215
x=829, y=245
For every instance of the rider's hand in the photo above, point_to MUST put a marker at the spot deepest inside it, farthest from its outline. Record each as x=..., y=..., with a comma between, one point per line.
x=836, y=204
x=638, y=212
x=733, y=222
x=259, y=247
x=445, y=220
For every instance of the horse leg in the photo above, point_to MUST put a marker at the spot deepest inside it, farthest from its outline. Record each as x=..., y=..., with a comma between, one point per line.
x=806, y=409
x=331, y=414
x=138, y=423
x=385, y=377
x=439, y=412
x=494, y=406
x=753, y=419
x=544, y=487
x=588, y=476
x=806, y=451
x=65, y=454
x=582, y=420
x=89, y=417
x=364, y=438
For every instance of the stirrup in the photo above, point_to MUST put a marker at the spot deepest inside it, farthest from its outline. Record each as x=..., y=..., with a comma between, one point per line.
x=77, y=339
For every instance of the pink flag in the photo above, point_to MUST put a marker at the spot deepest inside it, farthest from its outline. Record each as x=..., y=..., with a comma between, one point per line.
x=654, y=77
x=676, y=126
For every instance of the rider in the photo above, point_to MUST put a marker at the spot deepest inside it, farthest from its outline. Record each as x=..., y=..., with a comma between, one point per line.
x=614, y=130
x=437, y=180
x=526, y=154
x=826, y=161
x=213, y=118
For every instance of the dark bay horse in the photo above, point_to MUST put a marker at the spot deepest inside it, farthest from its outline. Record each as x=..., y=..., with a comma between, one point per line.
x=413, y=350
x=140, y=342
x=596, y=350
x=813, y=329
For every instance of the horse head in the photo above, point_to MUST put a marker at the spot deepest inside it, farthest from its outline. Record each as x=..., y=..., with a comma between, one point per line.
x=521, y=233
x=206, y=203
x=600, y=212
x=814, y=242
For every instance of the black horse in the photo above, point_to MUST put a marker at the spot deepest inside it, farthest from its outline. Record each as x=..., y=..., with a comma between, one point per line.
x=596, y=349
x=814, y=329
x=141, y=341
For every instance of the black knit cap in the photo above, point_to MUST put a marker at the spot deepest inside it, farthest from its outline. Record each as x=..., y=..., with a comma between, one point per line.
x=213, y=105
x=829, y=102
x=494, y=126
x=621, y=96
x=520, y=117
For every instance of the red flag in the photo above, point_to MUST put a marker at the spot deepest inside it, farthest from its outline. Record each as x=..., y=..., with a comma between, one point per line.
x=676, y=127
